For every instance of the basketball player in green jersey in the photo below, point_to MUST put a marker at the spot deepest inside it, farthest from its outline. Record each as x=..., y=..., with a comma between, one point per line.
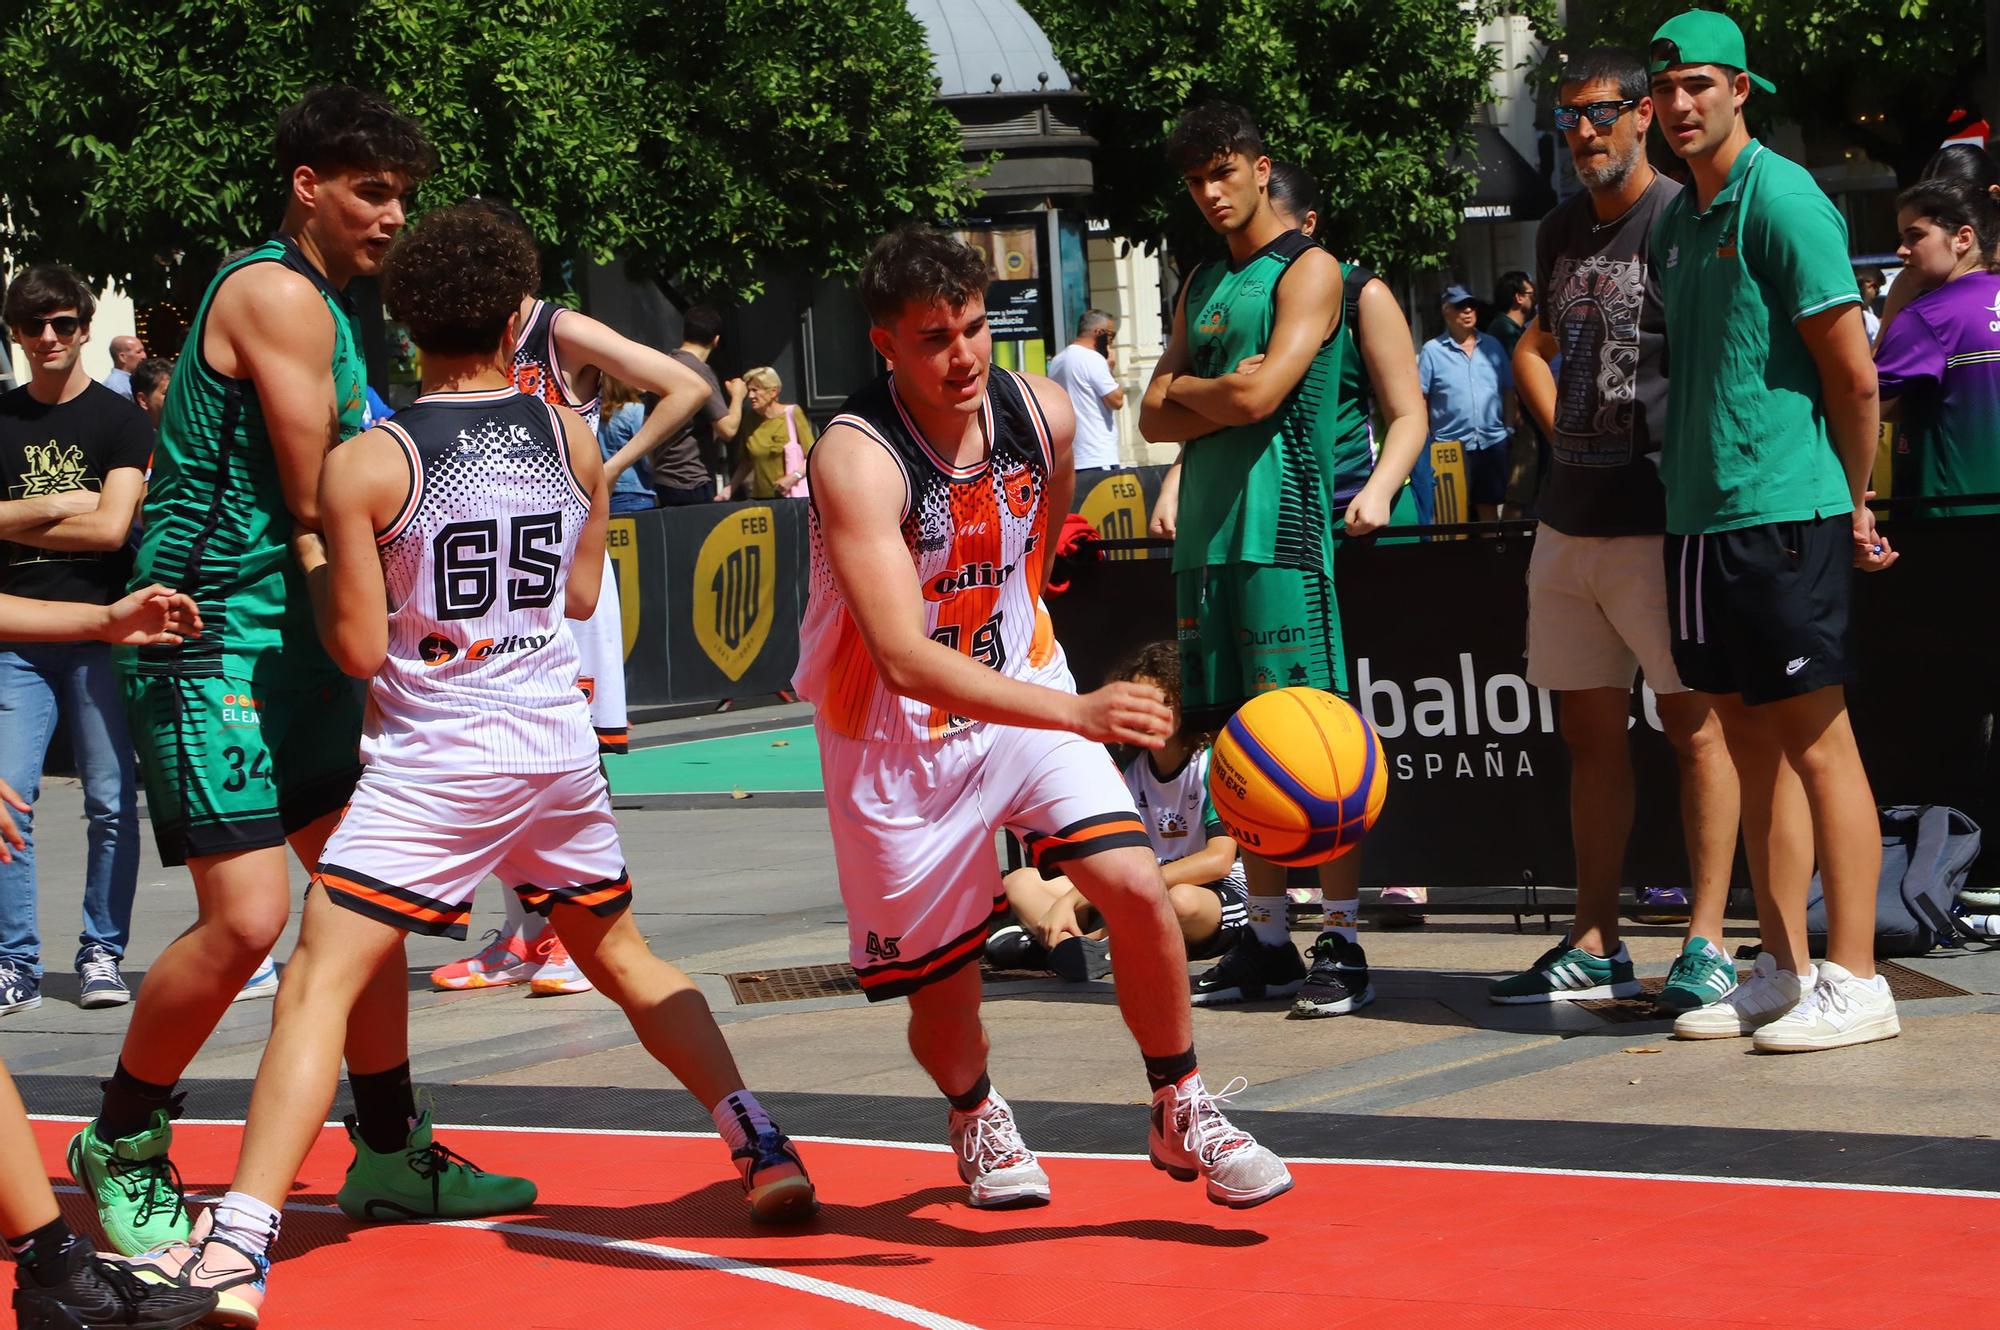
x=248, y=734
x=1250, y=384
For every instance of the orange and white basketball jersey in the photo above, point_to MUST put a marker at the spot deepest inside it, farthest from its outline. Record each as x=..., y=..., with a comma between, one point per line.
x=977, y=536
x=481, y=671
x=538, y=369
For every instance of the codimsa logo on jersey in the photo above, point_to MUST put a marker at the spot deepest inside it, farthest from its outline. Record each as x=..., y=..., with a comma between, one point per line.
x=439, y=650
x=968, y=576
x=733, y=583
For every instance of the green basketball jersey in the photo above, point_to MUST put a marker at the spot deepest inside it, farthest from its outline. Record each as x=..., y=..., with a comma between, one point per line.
x=216, y=522
x=1260, y=493
x=1354, y=449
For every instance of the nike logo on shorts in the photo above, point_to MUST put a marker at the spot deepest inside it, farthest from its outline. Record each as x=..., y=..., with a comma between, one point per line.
x=1793, y=667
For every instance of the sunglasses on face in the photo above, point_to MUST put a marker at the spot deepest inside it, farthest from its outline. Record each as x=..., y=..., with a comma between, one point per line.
x=65, y=325
x=1601, y=114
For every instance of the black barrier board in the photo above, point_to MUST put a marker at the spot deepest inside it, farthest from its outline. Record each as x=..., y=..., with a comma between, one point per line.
x=1436, y=640
x=638, y=548
x=735, y=594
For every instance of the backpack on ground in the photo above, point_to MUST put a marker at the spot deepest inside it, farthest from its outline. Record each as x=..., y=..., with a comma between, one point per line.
x=1927, y=850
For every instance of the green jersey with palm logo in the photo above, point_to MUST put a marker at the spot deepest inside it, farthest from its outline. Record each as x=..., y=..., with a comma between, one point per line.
x=1262, y=493
x=216, y=524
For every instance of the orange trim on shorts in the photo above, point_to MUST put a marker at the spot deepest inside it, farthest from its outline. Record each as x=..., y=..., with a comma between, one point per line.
x=428, y=915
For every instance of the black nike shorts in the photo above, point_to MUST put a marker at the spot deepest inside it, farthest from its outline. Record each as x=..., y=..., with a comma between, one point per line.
x=1763, y=611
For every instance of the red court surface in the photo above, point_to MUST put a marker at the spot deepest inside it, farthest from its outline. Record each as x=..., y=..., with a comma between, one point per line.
x=649, y=1230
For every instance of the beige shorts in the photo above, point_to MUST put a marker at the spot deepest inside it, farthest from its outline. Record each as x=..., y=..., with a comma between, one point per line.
x=1597, y=613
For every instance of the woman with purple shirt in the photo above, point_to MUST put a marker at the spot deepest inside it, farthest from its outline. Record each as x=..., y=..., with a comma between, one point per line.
x=1938, y=360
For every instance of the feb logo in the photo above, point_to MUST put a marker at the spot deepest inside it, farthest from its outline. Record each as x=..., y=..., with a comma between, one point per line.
x=436, y=650
x=733, y=579
x=1019, y=485
x=1116, y=508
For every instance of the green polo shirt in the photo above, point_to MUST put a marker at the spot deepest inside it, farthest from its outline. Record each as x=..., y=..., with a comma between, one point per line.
x=1746, y=438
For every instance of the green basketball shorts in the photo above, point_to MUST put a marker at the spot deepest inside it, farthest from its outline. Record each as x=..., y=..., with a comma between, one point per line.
x=231, y=766
x=1246, y=629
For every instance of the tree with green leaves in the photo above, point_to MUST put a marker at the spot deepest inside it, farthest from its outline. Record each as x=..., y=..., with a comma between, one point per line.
x=1374, y=97
x=1879, y=76
x=699, y=141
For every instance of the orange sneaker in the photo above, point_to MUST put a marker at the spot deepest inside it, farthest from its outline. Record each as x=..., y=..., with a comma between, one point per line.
x=556, y=973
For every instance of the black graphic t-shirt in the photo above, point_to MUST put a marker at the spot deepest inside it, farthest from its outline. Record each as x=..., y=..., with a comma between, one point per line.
x=1601, y=303
x=72, y=445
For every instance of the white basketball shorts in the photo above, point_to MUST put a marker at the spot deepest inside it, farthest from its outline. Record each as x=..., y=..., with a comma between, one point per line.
x=412, y=851
x=913, y=827
x=600, y=649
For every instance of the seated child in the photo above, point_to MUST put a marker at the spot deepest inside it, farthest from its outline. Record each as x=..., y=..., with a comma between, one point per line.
x=1057, y=929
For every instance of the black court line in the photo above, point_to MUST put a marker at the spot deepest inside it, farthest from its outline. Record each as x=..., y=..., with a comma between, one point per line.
x=1853, y=1158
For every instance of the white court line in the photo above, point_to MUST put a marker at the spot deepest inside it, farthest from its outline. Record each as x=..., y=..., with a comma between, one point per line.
x=727, y=1265
x=1526, y=1170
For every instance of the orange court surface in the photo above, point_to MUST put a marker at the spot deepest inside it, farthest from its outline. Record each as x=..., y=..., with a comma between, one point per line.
x=648, y=1229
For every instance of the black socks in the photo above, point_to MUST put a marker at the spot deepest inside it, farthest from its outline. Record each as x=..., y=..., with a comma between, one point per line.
x=385, y=1108
x=129, y=1105
x=1169, y=1070
x=973, y=1098
x=47, y=1255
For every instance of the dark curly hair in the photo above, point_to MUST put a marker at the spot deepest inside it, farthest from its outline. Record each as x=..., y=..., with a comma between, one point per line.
x=1211, y=130
x=922, y=265
x=352, y=128
x=1158, y=661
x=457, y=276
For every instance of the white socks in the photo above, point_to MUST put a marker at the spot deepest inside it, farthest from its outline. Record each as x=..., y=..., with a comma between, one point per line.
x=1267, y=919
x=246, y=1223
x=740, y=1119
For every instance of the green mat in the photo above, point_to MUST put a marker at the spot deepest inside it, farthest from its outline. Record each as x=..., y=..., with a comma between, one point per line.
x=761, y=763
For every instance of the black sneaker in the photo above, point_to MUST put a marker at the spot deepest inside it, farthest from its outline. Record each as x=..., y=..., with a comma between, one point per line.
x=1250, y=972
x=1078, y=959
x=1012, y=947
x=104, y=1293
x=1338, y=982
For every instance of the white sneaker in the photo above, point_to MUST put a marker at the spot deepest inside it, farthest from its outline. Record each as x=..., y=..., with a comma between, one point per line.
x=1840, y=1010
x=993, y=1159
x=1767, y=994
x=261, y=984
x=1190, y=1137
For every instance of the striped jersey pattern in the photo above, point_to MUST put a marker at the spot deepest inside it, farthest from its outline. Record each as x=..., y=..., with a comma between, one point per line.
x=538, y=369
x=215, y=521
x=977, y=536
x=481, y=672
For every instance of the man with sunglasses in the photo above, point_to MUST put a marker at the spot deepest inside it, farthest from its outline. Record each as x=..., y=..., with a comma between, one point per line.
x=72, y=469
x=1592, y=371
x=1772, y=412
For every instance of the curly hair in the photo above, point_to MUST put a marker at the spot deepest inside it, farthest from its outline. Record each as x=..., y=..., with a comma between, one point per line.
x=353, y=128
x=1211, y=130
x=921, y=265
x=1158, y=661
x=457, y=276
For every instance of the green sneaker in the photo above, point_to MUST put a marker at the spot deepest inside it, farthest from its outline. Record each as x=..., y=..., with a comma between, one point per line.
x=1701, y=976
x=1568, y=974
x=424, y=1180
x=133, y=1184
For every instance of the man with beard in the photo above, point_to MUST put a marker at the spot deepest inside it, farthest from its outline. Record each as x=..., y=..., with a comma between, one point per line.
x=1597, y=600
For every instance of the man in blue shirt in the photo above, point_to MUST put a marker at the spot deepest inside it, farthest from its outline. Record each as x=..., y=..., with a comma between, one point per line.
x=1469, y=384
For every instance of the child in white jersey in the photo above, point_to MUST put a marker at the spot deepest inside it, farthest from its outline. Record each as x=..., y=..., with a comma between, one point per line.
x=1055, y=926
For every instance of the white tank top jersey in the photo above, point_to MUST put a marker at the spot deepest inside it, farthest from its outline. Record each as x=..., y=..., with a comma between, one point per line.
x=538, y=370
x=976, y=536
x=481, y=673
x=1178, y=815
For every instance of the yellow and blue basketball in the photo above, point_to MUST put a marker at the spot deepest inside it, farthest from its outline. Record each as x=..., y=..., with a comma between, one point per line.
x=1297, y=777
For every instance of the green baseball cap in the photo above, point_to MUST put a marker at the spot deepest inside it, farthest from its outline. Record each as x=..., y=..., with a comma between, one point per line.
x=1703, y=37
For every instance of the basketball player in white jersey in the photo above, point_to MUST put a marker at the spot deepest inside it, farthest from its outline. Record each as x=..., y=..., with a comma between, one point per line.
x=561, y=356
x=946, y=711
x=477, y=516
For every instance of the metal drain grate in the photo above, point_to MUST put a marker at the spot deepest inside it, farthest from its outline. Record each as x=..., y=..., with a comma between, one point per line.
x=1905, y=984
x=792, y=983
x=1911, y=985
